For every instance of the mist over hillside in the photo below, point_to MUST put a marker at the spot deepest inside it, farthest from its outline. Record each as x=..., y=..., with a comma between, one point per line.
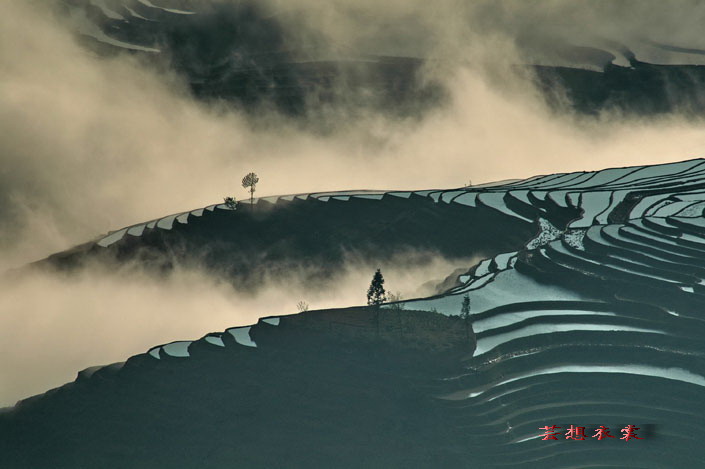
x=527, y=175
x=401, y=98
x=590, y=283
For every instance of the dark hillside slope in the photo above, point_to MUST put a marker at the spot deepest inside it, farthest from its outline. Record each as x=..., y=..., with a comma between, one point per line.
x=319, y=389
x=243, y=54
x=640, y=90
x=310, y=236
x=594, y=319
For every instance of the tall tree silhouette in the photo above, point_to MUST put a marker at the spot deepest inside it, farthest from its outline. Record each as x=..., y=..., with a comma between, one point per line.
x=376, y=294
x=465, y=308
x=465, y=314
x=250, y=181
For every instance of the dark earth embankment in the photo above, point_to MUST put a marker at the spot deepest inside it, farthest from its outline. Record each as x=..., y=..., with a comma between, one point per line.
x=337, y=388
x=312, y=239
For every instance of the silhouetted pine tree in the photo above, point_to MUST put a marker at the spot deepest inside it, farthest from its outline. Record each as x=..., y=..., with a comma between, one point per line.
x=376, y=294
x=465, y=309
x=465, y=314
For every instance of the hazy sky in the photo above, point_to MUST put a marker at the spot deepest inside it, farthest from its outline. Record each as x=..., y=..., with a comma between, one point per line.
x=91, y=144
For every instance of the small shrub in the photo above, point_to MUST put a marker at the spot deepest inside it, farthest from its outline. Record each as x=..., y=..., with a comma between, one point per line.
x=230, y=202
x=395, y=298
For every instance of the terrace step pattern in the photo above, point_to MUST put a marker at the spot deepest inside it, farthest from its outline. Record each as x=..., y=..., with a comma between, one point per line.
x=627, y=348
x=676, y=189
x=595, y=321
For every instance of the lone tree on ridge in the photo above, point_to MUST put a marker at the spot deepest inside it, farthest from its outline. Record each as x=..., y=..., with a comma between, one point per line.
x=465, y=314
x=250, y=181
x=376, y=295
x=465, y=309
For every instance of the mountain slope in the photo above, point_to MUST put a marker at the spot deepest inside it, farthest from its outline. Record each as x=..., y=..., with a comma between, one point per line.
x=593, y=318
x=257, y=56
